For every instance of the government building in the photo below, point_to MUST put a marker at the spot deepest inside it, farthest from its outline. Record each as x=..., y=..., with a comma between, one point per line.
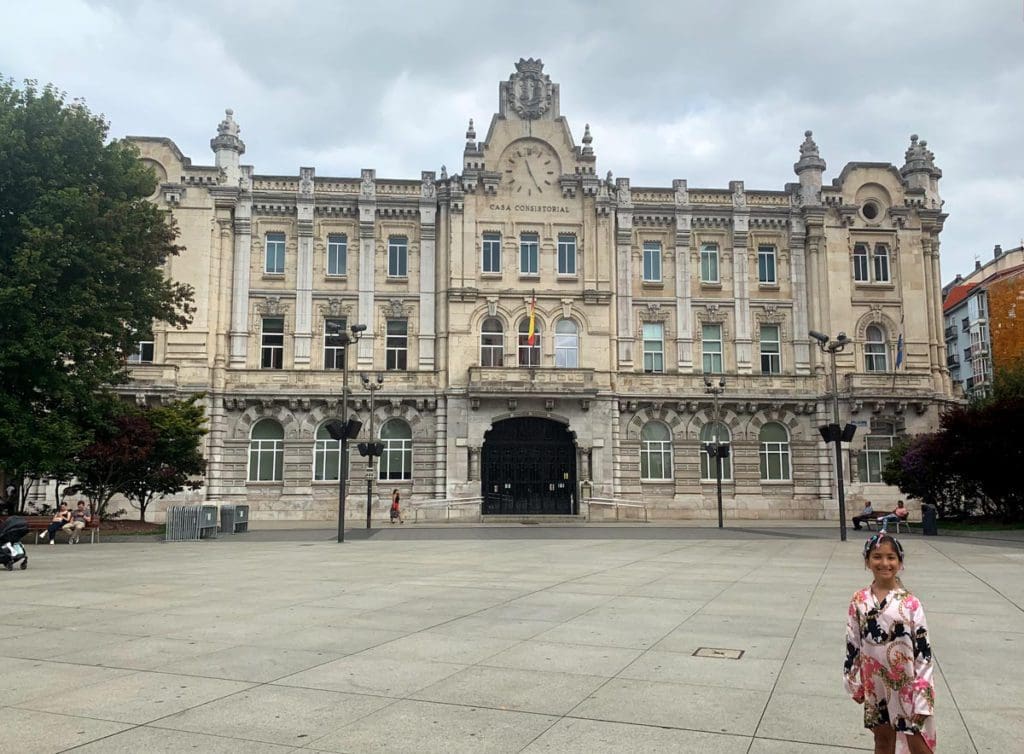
x=540, y=334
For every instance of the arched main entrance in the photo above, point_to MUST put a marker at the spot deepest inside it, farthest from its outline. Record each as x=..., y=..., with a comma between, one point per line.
x=528, y=468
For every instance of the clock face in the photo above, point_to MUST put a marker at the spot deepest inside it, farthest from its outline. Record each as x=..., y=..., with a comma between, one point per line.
x=531, y=169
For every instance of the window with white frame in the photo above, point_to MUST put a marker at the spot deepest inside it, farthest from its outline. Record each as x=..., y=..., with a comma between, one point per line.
x=492, y=343
x=871, y=461
x=396, y=461
x=398, y=257
x=335, y=338
x=272, y=343
x=860, y=263
x=337, y=254
x=529, y=354
x=654, y=347
x=491, y=247
x=529, y=253
x=766, y=265
x=143, y=353
x=567, y=344
x=876, y=356
x=655, y=452
x=771, y=350
x=709, y=433
x=881, y=263
x=566, y=254
x=652, y=262
x=274, y=254
x=396, y=347
x=709, y=263
x=266, y=452
x=711, y=348
x=327, y=457
x=774, y=440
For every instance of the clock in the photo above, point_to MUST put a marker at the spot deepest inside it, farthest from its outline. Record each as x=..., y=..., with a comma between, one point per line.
x=531, y=168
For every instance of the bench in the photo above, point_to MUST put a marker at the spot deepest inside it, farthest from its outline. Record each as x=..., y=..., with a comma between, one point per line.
x=900, y=524
x=37, y=524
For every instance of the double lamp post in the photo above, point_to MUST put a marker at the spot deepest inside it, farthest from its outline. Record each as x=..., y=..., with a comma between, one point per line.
x=716, y=449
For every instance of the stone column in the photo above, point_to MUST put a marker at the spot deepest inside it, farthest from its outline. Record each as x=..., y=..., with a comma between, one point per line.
x=798, y=267
x=684, y=315
x=240, y=272
x=428, y=270
x=304, y=204
x=624, y=265
x=740, y=279
x=367, y=267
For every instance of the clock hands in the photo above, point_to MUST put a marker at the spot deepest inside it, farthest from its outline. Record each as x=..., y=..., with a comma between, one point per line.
x=533, y=177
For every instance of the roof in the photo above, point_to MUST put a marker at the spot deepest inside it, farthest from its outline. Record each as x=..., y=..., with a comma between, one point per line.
x=957, y=294
x=1002, y=275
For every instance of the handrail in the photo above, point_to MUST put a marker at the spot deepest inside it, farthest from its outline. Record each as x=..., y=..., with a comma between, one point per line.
x=447, y=504
x=616, y=503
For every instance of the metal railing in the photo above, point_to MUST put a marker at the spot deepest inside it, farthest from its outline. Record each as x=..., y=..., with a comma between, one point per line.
x=447, y=504
x=617, y=504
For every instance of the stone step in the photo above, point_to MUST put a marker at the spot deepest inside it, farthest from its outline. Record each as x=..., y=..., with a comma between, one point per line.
x=537, y=519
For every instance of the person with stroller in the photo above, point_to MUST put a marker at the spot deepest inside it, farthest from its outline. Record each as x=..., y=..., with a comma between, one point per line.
x=396, y=507
x=80, y=518
x=61, y=517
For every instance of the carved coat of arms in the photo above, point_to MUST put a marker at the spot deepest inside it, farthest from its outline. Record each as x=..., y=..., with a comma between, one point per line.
x=529, y=91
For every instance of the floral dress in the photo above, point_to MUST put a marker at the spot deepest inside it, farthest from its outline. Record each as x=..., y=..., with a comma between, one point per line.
x=889, y=664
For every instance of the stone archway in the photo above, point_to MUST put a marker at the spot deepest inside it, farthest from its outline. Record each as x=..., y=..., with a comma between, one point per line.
x=528, y=467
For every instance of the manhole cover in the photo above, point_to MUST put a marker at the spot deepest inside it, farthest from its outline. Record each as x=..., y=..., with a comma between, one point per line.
x=719, y=654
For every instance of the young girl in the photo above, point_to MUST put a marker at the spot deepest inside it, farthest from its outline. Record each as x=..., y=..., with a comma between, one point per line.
x=888, y=657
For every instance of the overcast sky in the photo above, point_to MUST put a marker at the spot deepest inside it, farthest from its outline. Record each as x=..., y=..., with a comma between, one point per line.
x=708, y=91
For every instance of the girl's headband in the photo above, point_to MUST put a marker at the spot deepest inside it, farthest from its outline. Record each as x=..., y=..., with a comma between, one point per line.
x=875, y=540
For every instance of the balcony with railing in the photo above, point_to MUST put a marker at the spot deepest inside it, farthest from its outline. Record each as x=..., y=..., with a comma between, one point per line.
x=952, y=360
x=951, y=332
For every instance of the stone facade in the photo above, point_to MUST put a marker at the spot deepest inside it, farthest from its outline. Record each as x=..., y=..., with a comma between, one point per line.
x=637, y=290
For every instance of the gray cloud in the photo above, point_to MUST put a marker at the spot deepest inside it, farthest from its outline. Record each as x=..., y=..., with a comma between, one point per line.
x=697, y=90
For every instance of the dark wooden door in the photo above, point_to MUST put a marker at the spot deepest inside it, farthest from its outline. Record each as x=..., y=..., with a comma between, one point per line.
x=528, y=468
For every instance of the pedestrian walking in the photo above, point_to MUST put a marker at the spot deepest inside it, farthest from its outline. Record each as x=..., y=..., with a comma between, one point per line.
x=888, y=665
x=396, y=507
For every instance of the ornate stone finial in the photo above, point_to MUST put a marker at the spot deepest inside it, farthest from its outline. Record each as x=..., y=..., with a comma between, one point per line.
x=227, y=135
x=588, y=140
x=810, y=158
x=918, y=158
x=444, y=173
x=471, y=135
x=609, y=181
x=367, y=184
x=427, y=188
x=228, y=125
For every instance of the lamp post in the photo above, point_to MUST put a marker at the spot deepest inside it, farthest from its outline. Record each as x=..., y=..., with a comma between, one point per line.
x=833, y=432
x=373, y=447
x=715, y=449
x=347, y=428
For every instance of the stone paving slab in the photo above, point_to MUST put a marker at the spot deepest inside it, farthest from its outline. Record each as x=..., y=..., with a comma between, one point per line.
x=533, y=639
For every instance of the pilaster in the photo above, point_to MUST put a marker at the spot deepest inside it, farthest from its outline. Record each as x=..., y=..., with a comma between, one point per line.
x=740, y=276
x=428, y=271
x=624, y=264
x=801, y=325
x=684, y=296
x=240, y=272
x=304, y=205
x=367, y=267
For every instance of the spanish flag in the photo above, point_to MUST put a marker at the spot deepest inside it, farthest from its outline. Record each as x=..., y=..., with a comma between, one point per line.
x=531, y=334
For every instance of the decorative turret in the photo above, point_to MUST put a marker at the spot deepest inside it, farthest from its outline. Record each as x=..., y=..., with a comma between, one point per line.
x=228, y=148
x=919, y=170
x=809, y=168
x=470, y=137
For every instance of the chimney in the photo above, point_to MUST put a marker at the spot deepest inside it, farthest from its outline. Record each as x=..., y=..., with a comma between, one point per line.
x=977, y=264
x=959, y=278
x=998, y=252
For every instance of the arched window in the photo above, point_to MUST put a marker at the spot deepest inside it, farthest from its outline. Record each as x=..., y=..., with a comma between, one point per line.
x=492, y=343
x=266, y=452
x=774, y=439
x=396, y=463
x=655, y=452
x=529, y=356
x=875, y=357
x=567, y=344
x=326, y=456
x=708, y=433
x=871, y=461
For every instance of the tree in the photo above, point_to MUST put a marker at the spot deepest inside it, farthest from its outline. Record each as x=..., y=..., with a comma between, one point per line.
x=920, y=467
x=107, y=465
x=175, y=459
x=82, y=252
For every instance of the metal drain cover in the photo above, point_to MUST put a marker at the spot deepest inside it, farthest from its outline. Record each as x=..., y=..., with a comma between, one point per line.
x=719, y=654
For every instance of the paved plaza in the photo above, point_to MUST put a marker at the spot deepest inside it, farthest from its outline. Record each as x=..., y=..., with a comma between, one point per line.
x=513, y=639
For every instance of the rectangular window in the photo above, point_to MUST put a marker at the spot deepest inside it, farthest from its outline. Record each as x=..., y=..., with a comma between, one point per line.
x=529, y=253
x=335, y=337
x=872, y=460
x=766, y=265
x=652, y=262
x=398, y=257
x=337, y=253
x=566, y=255
x=711, y=346
x=397, y=347
x=654, y=347
x=491, y=261
x=143, y=353
x=881, y=263
x=771, y=353
x=860, y=263
x=272, y=343
x=274, y=261
x=709, y=263
x=965, y=324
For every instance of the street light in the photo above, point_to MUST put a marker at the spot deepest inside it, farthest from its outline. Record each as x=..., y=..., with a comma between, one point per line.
x=372, y=448
x=833, y=432
x=716, y=449
x=343, y=431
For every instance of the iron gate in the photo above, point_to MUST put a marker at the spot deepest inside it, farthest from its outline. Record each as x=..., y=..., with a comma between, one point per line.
x=528, y=468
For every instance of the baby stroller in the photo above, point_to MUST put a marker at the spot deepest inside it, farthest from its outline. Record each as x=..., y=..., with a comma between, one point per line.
x=11, y=549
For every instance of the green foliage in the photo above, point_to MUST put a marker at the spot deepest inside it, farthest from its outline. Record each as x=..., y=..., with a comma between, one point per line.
x=81, y=278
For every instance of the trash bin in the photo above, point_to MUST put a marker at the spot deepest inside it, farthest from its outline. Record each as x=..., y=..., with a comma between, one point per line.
x=929, y=520
x=227, y=519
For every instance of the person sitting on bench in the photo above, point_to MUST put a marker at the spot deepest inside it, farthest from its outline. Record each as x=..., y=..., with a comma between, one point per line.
x=60, y=518
x=900, y=514
x=80, y=518
x=865, y=515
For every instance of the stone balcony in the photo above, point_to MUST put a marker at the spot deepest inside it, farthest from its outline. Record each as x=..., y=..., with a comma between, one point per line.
x=537, y=381
x=690, y=385
x=157, y=377
x=888, y=383
x=319, y=383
